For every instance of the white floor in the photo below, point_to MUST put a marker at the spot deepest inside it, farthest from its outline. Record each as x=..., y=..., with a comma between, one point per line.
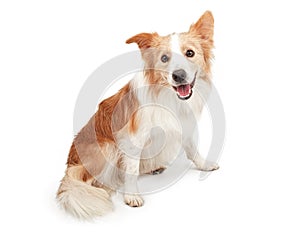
x=47, y=51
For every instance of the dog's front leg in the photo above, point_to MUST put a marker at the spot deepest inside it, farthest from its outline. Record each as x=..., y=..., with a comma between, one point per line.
x=193, y=154
x=131, y=194
x=131, y=146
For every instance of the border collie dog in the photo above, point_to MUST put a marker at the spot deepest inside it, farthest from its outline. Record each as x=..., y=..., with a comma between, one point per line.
x=119, y=142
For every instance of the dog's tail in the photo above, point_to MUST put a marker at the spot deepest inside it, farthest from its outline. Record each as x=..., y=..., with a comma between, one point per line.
x=80, y=198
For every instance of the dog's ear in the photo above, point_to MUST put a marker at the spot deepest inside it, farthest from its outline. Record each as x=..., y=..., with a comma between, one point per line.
x=204, y=27
x=143, y=40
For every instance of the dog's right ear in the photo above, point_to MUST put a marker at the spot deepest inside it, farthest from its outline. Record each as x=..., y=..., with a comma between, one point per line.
x=143, y=40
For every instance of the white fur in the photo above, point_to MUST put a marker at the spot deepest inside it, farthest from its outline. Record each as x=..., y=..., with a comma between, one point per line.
x=175, y=45
x=167, y=120
x=179, y=61
x=82, y=200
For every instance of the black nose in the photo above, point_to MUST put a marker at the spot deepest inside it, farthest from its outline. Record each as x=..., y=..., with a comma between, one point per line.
x=179, y=75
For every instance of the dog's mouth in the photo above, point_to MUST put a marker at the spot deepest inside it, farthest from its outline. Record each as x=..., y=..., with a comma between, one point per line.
x=185, y=91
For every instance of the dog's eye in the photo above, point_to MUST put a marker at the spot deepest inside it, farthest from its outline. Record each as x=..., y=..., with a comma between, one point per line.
x=164, y=58
x=190, y=53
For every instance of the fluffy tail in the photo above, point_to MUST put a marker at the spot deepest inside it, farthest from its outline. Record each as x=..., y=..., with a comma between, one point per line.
x=81, y=199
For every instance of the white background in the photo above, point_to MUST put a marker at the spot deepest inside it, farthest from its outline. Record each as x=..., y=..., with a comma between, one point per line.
x=47, y=51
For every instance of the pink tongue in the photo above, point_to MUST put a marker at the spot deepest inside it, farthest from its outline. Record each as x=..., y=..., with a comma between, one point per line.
x=184, y=90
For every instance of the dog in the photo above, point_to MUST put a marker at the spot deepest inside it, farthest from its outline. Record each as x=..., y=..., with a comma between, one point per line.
x=142, y=127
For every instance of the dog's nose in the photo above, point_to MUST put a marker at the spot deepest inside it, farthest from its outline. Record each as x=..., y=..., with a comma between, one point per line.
x=179, y=76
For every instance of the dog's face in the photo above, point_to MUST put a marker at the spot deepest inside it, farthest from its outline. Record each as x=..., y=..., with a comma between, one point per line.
x=178, y=60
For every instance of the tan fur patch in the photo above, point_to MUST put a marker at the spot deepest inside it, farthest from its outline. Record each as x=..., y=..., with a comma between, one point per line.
x=203, y=30
x=114, y=113
x=152, y=47
x=203, y=54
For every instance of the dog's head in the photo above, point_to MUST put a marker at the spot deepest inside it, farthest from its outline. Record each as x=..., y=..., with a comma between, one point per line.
x=178, y=60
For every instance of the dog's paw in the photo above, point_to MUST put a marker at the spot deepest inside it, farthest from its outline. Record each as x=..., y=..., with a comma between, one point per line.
x=157, y=171
x=133, y=200
x=209, y=166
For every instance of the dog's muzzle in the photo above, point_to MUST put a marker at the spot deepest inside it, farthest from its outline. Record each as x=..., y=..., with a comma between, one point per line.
x=184, y=90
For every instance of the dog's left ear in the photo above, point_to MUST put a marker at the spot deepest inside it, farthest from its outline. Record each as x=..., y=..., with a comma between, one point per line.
x=143, y=40
x=204, y=27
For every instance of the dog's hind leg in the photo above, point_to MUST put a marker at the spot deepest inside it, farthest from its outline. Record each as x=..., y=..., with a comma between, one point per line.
x=157, y=171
